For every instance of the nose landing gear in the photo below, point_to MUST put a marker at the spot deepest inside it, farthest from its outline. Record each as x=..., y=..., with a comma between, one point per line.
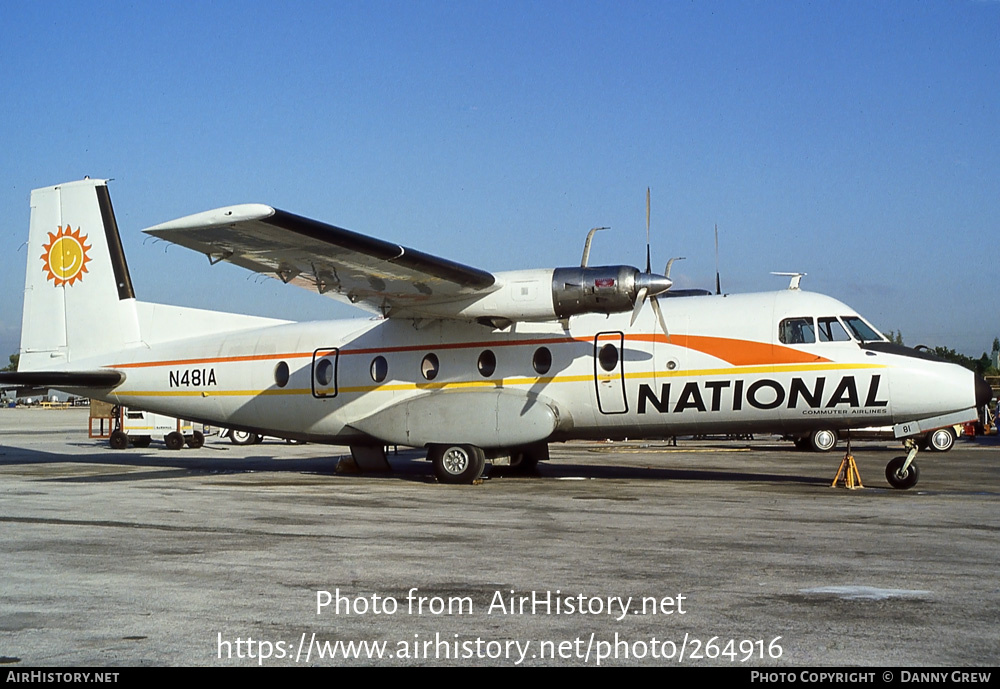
x=902, y=472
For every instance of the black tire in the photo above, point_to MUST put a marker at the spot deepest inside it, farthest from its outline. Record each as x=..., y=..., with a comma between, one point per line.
x=524, y=461
x=173, y=440
x=140, y=440
x=457, y=463
x=197, y=440
x=901, y=481
x=118, y=440
x=242, y=437
x=941, y=440
x=823, y=440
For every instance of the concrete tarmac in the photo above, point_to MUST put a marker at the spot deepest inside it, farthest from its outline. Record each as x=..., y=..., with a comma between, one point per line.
x=711, y=553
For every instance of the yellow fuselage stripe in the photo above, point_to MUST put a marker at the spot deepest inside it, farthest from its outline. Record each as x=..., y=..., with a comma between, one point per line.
x=503, y=382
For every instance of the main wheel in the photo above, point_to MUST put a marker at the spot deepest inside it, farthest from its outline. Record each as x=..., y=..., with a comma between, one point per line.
x=524, y=461
x=118, y=440
x=457, y=463
x=173, y=440
x=941, y=440
x=898, y=480
x=802, y=444
x=242, y=437
x=823, y=440
x=196, y=440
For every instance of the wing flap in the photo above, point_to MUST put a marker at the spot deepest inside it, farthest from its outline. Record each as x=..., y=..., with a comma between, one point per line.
x=339, y=263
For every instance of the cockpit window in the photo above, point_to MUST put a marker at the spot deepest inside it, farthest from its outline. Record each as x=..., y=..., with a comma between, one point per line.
x=797, y=331
x=862, y=331
x=803, y=330
x=830, y=330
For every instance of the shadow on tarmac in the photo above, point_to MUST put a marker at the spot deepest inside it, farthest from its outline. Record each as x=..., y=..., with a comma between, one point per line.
x=407, y=465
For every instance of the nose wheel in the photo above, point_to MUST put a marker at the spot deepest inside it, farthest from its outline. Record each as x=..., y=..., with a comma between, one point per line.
x=902, y=472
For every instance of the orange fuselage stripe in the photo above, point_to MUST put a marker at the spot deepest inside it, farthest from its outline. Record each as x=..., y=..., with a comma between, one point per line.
x=733, y=351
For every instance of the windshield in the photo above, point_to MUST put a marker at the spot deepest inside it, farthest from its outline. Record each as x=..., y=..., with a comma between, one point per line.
x=862, y=331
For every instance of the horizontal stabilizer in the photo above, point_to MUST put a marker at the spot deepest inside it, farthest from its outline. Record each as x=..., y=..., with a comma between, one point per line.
x=62, y=379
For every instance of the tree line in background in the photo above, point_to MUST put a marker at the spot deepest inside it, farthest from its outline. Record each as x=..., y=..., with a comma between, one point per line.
x=984, y=365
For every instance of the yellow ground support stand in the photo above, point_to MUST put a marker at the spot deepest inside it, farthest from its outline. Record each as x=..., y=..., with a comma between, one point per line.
x=849, y=471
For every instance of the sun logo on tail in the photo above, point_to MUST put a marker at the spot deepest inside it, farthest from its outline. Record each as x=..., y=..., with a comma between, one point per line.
x=65, y=259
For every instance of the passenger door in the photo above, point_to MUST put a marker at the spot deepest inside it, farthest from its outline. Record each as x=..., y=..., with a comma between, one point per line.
x=609, y=372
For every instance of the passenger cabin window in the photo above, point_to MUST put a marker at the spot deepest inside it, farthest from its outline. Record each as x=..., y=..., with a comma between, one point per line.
x=542, y=361
x=830, y=330
x=796, y=331
x=487, y=363
x=281, y=374
x=608, y=357
x=379, y=369
x=429, y=367
x=324, y=372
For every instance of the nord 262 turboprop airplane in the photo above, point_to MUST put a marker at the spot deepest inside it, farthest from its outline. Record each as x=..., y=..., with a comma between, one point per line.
x=471, y=365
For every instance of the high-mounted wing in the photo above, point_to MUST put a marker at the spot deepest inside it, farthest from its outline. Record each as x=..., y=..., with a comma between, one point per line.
x=374, y=274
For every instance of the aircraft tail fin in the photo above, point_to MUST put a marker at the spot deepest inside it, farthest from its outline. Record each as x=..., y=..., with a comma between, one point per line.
x=78, y=296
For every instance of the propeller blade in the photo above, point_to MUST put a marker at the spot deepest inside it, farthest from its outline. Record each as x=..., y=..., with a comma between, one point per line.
x=639, y=299
x=659, y=316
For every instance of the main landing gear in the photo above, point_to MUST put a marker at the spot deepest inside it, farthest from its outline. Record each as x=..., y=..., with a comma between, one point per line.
x=902, y=472
x=457, y=463
x=823, y=440
x=461, y=463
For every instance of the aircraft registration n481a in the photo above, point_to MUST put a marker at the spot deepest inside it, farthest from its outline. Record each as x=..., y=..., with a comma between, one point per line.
x=472, y=365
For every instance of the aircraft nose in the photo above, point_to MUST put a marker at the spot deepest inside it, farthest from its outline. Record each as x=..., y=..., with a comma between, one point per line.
x=984, y=393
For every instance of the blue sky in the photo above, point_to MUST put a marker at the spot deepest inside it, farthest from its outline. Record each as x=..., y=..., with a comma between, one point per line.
x=854, y=141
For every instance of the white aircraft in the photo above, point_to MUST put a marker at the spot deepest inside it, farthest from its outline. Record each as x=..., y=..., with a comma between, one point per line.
x=471, y=365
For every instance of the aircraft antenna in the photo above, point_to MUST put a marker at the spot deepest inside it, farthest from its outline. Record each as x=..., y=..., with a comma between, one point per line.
x=718, y=284
x=649, y=268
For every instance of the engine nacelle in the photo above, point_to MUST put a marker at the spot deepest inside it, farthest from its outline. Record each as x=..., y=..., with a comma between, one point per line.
x=601, y=289
x=543, y=295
